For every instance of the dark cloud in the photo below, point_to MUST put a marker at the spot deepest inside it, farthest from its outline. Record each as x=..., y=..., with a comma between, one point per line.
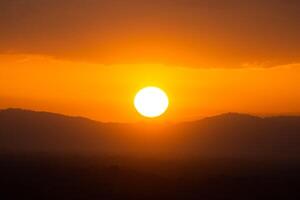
x=179, y=32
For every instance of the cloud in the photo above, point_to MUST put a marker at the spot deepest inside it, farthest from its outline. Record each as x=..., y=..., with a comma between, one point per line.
x=180, y=33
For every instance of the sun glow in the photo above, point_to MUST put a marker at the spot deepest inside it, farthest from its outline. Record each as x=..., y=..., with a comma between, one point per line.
x=151, y=102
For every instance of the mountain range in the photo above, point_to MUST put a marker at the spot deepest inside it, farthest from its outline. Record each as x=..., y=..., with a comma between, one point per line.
x=229, y=135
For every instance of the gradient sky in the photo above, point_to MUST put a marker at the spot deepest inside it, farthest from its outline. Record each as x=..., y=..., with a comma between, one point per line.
x=90, y=57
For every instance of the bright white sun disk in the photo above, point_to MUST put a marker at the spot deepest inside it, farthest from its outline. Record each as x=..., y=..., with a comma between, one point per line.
x=151, y=102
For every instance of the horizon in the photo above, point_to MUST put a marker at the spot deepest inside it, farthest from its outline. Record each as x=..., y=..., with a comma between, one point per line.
x=150, y=121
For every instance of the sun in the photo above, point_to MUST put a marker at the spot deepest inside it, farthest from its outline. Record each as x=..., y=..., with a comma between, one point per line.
x=151, y=102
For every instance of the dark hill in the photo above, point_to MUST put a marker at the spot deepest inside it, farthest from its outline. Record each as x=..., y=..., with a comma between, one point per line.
x=226, y=135
x=230, y=156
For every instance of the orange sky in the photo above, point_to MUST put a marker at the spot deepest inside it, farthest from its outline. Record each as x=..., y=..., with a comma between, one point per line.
x=106, y=93
x=206, y=33
x=90, y=57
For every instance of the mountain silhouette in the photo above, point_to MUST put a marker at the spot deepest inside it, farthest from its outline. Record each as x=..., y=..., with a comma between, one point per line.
x=227, y=135
x=229, y=156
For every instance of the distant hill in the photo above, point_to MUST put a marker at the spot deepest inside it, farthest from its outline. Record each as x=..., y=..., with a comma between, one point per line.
x=226, y=135
x=29, y=131
x=241, y=135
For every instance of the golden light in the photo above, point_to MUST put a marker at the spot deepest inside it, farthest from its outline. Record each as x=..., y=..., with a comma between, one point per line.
x=151, y=102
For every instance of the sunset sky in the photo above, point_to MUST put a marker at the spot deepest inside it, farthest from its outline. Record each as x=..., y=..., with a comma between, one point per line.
x=90, y=57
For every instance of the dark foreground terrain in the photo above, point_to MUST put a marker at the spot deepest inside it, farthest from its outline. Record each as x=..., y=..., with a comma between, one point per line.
x=230, y=156
x=77, y=177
